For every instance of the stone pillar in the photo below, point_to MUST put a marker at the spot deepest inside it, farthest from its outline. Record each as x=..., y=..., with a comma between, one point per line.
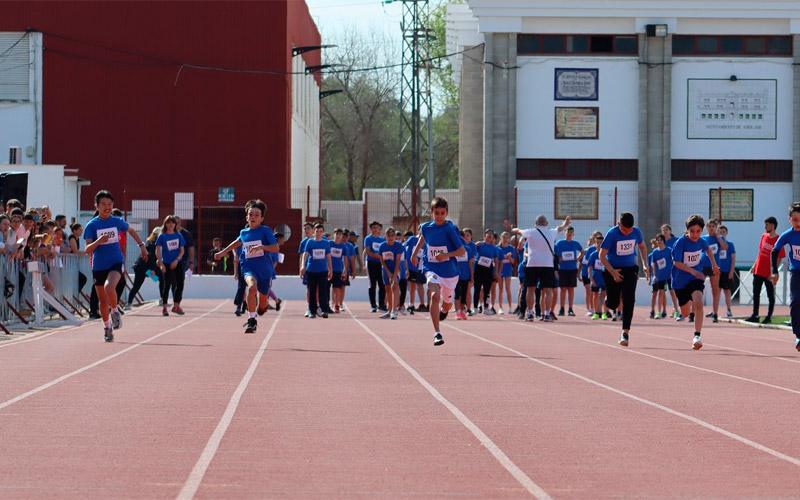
x=655, y=115
x=470, y=140
x=796, y=121
x=499, y=128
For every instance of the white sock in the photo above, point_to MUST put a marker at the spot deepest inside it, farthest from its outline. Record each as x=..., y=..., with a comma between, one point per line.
x=107, y=324
x=252, y=314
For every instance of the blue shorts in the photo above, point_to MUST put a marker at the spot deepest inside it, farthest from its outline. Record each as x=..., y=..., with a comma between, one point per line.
x=263, y=281
x=506, y=271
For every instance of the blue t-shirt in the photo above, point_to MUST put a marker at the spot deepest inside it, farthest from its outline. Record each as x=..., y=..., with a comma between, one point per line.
x=661, y=262
x=255, y=261
x=585, y=262
x=792, y=238
x=597, y=267
x=317, y=251
x=408, y=247
x=507, y=256
x=391, y=254
x=339, y=252
x=485, y=255
x=440, y=239
x=109, y=253
x=691, y=254
x=713, y=244
x=568, y=252
x=463, y=261
x=170, y=246
x=724, y=257
x=302, y=247
x=671, y=242
x=522, y=263
x=622, y=248
x=373, y=243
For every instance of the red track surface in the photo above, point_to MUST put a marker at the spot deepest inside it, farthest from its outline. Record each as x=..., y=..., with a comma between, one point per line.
x=347, y=407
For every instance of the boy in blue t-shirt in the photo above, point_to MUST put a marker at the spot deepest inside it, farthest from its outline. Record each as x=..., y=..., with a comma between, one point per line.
x=465, y=278
x=372, y=244
x=688, y=277
x=727, y=266
x=598, y=282
x=442, y=244
x=257, y=241
x=661, y=271
x=716, y=243
x=340, y=261
x=791, y=237
x=569, y=253
x=317, y=268
x=391, y=251
x=103, y=234
x=586, y=271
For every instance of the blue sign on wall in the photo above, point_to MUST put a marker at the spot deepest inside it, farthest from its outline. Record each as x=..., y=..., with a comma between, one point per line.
x=226, y=194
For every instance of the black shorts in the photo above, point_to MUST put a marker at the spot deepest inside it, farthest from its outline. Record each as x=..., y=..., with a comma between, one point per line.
x=461, y=291
x=540, y=277
x=724, y=280
x=661, y=285
x=586, y=280
x=100, y=277
x=568, y=279
x=417, y=277
x=708, y=271
x=337, y=281
x=685, y=294
x=597, y=289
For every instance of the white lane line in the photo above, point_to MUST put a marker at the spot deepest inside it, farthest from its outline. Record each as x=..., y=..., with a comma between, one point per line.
x=665, y=360
x=200, y=468
x=71, y=374
x=733, y=349
x=9, y=343
x=758, y=446
x=518, y=474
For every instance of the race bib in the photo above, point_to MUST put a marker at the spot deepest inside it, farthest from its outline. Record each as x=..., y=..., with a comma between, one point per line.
x=599, y=265
x=376, y=246
x=796, y=252
x=723, y=254
x=318, y=253
x=253, y=249
x=113, y=236
x=336, y=252
x=507, y=258
x=420, y=254
x=173, y=245
x=714, y=248
x=388, y=255
x=568, y=255
x=692, y=259
x=625, y=247
x=463, y=258
x=485, y=262
x=434, y=251
x=661, y=263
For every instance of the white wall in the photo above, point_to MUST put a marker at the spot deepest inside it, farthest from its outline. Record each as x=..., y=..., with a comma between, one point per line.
x=743, y=68
x=769, y=199
x=305, y=139
x=538, y=197
x=48, y=185
x=21, y=121
x=618, y=84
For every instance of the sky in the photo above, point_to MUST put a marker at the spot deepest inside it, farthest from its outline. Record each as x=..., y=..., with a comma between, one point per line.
x=332, y=16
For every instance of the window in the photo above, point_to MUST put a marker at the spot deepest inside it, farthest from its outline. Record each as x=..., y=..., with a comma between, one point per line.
x=732, y=170
x=577, y=169
x=532, y=44
x=739, y=45
x=15, y=66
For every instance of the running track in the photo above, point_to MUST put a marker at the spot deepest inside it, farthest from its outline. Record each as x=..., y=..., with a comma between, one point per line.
x=354, y=406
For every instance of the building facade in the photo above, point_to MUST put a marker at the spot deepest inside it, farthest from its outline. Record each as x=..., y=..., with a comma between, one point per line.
x=176, y=107
x=660, y=108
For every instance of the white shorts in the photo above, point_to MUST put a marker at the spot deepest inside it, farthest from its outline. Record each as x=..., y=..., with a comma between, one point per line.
x=448, y=285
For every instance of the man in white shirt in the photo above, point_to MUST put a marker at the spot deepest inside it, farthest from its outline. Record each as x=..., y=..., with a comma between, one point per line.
x=540, y=270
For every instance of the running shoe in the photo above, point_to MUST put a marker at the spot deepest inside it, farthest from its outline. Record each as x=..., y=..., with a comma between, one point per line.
x=94, y=316
x=561, y=312
x=767, y=320
x=548, y=318
x=324, y=314
x=401, y=311
x=237, y=312
x=752, y=319
x=679, y=317
x=121, y=309
x=374, y=310
x=605, y=316
x=590, y=313
x=553, y=317
x=410, y=309
x=438, y=339
x=729, y=314
x=386, y=315
x=335, y=309
x=691, y=317
x=623, y=340
x=480, y=309
x=571, y=313
x=116, y=319
x=652, y=314
x=307, y=314
x=710, y=315
x=500, y=311
x=165, y=312
x=614, y=317
x=697, y=343
x=278, y=303
x=529, y=316
x=108, y=334
x=177, y=310
x=715, y=318
x=663, y=314
x=595, y=316
x=393, y=316
x=383, y=309
x=797, y=344
x=251, y=325
x=311, y=315
x=471, y=312
x=442, y=315
x=657, y=316
x=491, y=311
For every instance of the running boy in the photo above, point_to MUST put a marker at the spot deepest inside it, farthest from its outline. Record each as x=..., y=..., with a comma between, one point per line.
x=257, y=241
x=442, y=245
x=102, y=235
x=662, y=274
x=688, y=275
x=791, y=237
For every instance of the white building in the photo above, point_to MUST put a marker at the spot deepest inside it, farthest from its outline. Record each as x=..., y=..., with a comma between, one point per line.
x=591, y=108
x=21, y=96
x=55, y=186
